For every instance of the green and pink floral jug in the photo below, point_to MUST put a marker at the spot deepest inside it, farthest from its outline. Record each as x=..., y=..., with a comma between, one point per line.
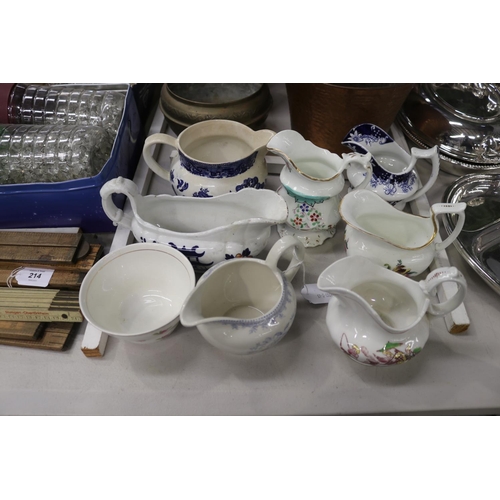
x=312, y=182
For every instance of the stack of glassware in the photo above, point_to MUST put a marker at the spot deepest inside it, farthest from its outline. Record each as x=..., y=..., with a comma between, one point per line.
x=56, y=133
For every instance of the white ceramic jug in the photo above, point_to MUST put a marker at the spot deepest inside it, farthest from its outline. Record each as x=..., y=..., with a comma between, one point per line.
x=378, y=317
x=206, y=231
x=312, y=180
x=214, y=157
x=391, y=238
x=243, y=306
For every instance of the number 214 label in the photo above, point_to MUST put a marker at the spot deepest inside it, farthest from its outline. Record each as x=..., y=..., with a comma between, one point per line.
x=34, y=277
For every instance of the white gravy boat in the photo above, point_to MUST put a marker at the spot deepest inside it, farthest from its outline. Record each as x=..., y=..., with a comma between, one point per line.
x=205, y=230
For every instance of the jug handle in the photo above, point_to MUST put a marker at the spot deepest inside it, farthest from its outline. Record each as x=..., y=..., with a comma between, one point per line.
x=426, y=154
x=365, y=162
x=278, y=249
x=449, y=208
x=118, y=185
x=435, y=278
x=150, y=141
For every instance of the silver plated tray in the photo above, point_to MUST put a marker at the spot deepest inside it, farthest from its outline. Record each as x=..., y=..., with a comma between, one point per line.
x=479, y=240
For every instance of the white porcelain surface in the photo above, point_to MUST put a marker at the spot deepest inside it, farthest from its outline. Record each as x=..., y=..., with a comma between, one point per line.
x=243, y=306
x=394, y=176
x=312, y=180
x=207, y=231
x=378, y=317
x=397, y=240
x=136, y=293
x=214, y=157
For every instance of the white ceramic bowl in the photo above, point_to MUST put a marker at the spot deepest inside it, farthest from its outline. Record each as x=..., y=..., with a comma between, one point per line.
x=136, y=293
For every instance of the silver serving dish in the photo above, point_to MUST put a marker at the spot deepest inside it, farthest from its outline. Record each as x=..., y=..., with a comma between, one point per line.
x=479, y=240
x=462, y=119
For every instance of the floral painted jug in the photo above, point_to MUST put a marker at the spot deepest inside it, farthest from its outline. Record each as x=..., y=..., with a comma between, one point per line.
x=392, y=238
x=312, y=181
x=394, y=177
x=378, y=317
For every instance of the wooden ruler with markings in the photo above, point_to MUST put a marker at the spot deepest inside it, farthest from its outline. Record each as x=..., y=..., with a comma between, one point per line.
x=42, y=305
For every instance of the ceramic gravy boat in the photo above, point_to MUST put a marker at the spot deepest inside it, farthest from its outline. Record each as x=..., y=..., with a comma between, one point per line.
x=378, y=317
x=214, y=157
x=397, y=240
x=206, y=231
x=312, y=180
x=243, y=306
x=394, y=178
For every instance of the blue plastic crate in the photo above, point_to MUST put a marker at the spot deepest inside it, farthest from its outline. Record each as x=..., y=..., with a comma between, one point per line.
x=76, y=203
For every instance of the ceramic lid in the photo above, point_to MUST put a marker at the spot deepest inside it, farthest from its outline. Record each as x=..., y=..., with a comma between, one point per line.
x=462, y=119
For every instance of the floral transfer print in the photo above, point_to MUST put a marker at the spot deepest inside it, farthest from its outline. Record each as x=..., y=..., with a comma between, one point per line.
x=400, y=269
x=217, y=170
x=390, y=354
x=306, y=217
x=359, y=140
x=273, y=340
x=202, y=193
x=391, y=183
x=251, y=182
x=181, y=184
x=193, y=254
x=368, y=134
x=244, y=253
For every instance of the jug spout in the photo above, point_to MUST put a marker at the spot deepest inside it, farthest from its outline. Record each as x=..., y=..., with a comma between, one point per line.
x=192, y=310
x=361, y=162
x=260, y=139
x=304, y=157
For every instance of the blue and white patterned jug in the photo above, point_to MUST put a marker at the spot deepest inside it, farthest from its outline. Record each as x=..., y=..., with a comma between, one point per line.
x=214, y=157
x=394, y=178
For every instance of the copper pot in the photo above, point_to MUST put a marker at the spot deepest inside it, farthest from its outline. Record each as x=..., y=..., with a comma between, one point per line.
x=324, y=112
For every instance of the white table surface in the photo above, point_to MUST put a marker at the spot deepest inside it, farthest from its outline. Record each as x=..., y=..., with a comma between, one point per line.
x=304, y=374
